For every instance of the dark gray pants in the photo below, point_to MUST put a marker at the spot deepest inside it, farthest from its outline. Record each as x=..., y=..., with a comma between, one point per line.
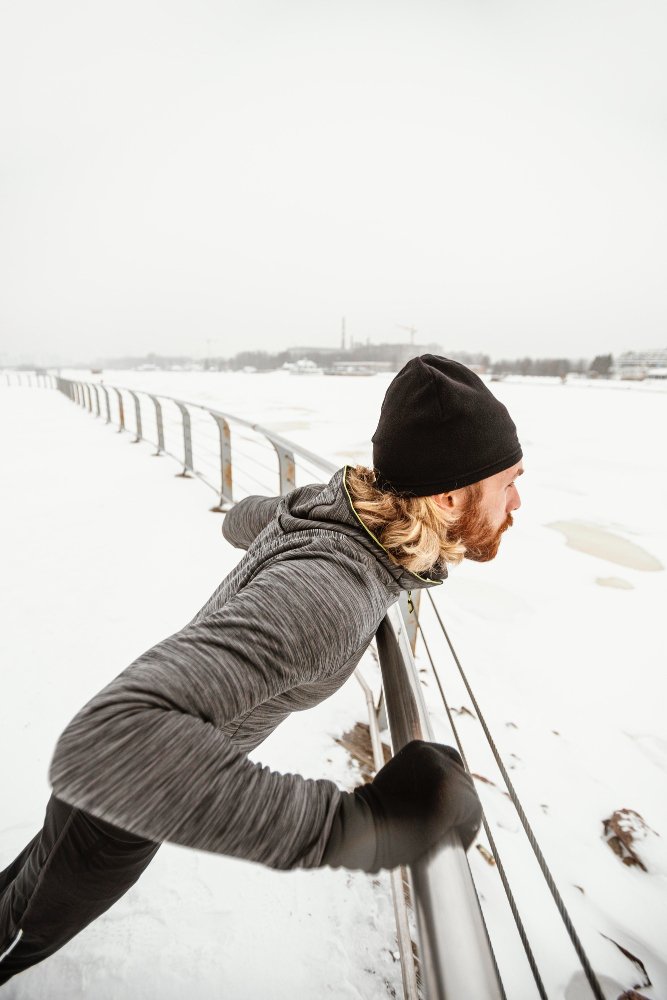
x=73, y=870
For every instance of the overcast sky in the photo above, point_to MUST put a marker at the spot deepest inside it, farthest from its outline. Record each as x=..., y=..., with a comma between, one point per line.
x=492, y=172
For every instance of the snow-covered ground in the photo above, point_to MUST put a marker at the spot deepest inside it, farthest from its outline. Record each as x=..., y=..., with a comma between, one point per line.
x=105, y=552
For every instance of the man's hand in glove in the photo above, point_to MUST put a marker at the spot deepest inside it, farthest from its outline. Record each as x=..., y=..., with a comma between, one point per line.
x=413, y=801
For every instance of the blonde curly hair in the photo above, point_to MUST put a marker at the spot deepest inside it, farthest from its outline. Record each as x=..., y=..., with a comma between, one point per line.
x=416, y=531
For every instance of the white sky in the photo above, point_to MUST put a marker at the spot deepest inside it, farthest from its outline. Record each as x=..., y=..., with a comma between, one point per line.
x=491, y=173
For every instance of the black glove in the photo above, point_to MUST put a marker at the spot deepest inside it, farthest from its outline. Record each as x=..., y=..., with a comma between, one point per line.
x=418, y=796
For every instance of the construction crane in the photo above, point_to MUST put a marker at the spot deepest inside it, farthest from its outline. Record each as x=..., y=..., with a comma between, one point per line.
x=411, y=330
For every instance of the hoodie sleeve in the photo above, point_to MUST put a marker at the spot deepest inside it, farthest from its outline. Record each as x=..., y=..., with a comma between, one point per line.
x=247, y=519
x=149, y=754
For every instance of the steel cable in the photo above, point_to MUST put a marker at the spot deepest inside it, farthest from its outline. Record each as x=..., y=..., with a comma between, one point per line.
x=247, y=475
x=548, y=877
x=494, y=850
x=272, y=471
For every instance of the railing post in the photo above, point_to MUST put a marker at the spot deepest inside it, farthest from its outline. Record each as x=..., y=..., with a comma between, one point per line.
x=137, y=413
x=160, y=428
x=226, y=484
x=97, y=400
x=286, y=467
x=410, y=618
x=121, y=410
x=106, y=394
x=89, y=397
x=187, y=440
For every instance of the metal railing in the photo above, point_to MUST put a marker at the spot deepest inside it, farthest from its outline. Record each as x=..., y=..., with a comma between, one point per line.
x=234, y=457
x=32, y=380
x=200, y=439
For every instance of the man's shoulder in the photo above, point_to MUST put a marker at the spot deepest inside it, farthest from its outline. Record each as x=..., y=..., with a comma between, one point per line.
x=328, y=560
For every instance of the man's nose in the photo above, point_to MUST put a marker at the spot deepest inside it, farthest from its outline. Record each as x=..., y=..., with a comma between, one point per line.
x=514, y=500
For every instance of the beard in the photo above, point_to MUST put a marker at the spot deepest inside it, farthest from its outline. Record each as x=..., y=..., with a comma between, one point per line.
x=480, y=538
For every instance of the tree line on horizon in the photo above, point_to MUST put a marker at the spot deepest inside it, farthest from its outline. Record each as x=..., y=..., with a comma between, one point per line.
x=394, y=355
x=601, y=364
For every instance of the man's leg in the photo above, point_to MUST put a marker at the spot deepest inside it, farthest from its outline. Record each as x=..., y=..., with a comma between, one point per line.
x=70, y=873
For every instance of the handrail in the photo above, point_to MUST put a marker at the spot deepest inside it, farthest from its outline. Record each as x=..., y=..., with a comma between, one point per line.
x=48, y=381
x=408, y=968
x=457, y=958
x=275, y=439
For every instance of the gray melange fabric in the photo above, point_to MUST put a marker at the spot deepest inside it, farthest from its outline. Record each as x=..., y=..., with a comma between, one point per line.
x=162, y=750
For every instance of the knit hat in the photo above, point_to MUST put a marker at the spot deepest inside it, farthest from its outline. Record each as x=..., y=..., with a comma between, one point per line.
x=440, y=429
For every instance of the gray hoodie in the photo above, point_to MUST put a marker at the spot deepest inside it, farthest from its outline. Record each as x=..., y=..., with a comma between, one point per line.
x=162, y=750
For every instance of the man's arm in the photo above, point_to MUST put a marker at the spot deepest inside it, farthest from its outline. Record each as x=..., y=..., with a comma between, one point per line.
x=148, y=753
x=247, y=519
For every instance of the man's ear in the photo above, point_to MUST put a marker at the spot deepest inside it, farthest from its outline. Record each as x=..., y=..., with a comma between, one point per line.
x=445, y=500
x=453, y=500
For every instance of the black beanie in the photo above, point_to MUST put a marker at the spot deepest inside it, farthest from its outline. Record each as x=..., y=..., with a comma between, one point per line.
x=440, y=429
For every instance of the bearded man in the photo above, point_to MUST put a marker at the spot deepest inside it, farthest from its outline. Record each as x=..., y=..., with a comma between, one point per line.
x=161, y=753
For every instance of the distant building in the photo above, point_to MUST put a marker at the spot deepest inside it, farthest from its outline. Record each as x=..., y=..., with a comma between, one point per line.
x=383, y=357
x=358, y=367
x=295, y=353
x=638, y=365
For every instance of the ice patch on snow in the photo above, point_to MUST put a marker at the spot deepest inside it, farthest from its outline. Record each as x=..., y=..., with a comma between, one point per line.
x=603, y=544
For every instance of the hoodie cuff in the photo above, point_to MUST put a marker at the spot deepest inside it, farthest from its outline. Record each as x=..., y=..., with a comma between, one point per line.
x=353, y=841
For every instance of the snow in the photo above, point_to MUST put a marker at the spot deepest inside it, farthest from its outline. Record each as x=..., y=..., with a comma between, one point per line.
x=562, y=638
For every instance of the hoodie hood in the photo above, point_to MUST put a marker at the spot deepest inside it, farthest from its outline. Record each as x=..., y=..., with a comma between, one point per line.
x=329, y=506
